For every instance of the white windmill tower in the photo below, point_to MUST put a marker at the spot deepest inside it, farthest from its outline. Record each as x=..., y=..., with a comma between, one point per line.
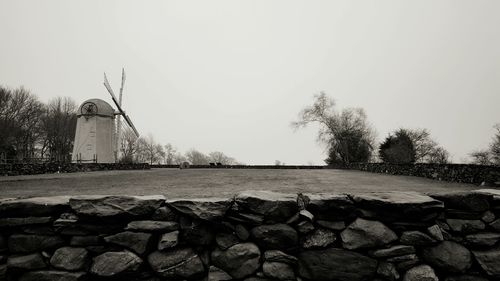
x=97, y=136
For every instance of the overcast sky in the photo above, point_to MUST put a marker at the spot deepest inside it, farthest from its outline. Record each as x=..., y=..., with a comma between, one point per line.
x=231, y=75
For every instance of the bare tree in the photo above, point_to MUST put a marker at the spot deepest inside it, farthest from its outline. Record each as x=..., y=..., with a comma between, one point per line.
x=149, y=151
x=426, y=149
x=196, y=158
x=128, y=146
x=481, y=157
x=348, y=135
x=495, y=146
x=170, y=153
x=219, y=157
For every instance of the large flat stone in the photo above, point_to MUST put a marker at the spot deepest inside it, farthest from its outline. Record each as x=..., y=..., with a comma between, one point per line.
x=330, y=207
x=12, y=222
x=107, y=207
x=275, y=236
x=26, y=262
x=115, y=263
x=210, y=209
x=465, y=200
x=366, y=234
x=336, y=264
x=70, y=258
x=138, y=242
x=272, y=206
x=179, y=263
x=489, y=261
x=153, y=226
x=36, y=206
x=239, y=261
x=26, y=243
x=394, y=206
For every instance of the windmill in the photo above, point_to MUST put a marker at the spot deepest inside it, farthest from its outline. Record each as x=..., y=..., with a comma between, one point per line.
x=97, y=136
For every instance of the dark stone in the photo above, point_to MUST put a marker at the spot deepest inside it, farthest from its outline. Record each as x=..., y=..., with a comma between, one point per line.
x=210, y=209
x=90, y=240
x=333, y=225
x=394, y=206
x=107, y=207
x=465, y=278
x=239, y=261
x=320, y=238
x=305, y=214
x=330, y=206
x=242, y=232
x=388, y=271
x=136, y=241
x=153, y=226
x=11, y=222
x=225, y=240
x=403, y=258
x=487, y=239
x=435, y=232
x=461, y=214
x=398, y=250
x=465, y=200
x=465, y=226
x=115, y=263
x=449, y=257
x=53, y=275
x=217, y=274
x=168, y=240
x=26, y=243
x=39, y=230
x=69, y=258
x=38, y=206
x=178, y=263
x=196, y=232
x=278, y=270
x=275, y=236
x=279, y=256
x=416, y=238
x=488, y=217
x=305, y=227
x=366, y=234
x=489, y=261
x=420, y=273
x=164, y=214
x=272, y=206
x=335, y=264
x=26, y=262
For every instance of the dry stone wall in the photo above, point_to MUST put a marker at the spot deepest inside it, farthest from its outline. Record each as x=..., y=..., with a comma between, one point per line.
x=54, y=167
x=255, y=236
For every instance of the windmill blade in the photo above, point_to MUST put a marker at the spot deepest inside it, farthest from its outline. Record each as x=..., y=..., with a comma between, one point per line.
x=129, y=122
x=108, y=87
x=123, y=82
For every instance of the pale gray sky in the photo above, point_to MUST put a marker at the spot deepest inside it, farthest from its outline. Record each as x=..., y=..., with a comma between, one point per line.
x=231, y=75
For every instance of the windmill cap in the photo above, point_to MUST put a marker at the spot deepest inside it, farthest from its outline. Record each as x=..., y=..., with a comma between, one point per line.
x=101, y=108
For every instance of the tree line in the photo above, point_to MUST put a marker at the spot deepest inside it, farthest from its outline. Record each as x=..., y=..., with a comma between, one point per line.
x=350, y=138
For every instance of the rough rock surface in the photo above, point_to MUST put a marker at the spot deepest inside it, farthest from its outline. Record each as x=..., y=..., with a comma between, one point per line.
x=37, y=206
x=486, y=239
x=28, y=262
x=272, y=206
x=177, y=263
x=279, y=256
x=69, y=258
x=330, y=206
x=416, y=238
x=135, y=241
x=26, y=243
x=392, y=206
x=397, y=250
x=448, y=256
x=115, y=206
x=420, y=273
x=366, y=234
x=168, y=240
x=465, y=226
x=275, y=236
x=209, y=209
x=335, y=264
x=53, y=275
x=471, y=201
x=489, y=261
x=115, y=263
x=217, y=274
x=278, y=270
x=319, y=239
x=240, y=260
x=152, y=226
x=225, y=240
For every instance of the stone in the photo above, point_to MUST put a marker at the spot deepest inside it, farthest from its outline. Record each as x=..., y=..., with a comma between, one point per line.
x=330, y=206
x=465, y=200
x=465, y=278
x=138, y=242
x=416, y=238
x=12, y=222
x=196, y=232
x=217, y=274
x=26, y=262
x=53, y=275
x=336, y=264
x=406, y=265
x=488, y=217
x=421, y=273
x=3, y=271
x=397, y=250
x=487, y=239
x=320, y=238
x=305, y=214
x=279, y=256
x=209, y=209
x=176, y=263
x=115, y=263
x=495, y=225
x=278, y=270
x=70, y=259
x=435, y=232
x=26, y=243
x=448, y=256
x=366, y=234
x=394, y=206
x=225, y=240
x=465, y=226
x=387, y=270
x=239, y=261
x=333, y=225
x=489, y=261
x=153, y=226
x=110, y=207
x=168, y=240
x=36, y=206
x=305, y=227
x=272, y=206
x=275, y=236
x=164, y=214
x=242, y=232
x=89, y=240
x=461, y=214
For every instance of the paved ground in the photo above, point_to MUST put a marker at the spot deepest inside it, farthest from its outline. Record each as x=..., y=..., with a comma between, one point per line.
x=175, y=183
